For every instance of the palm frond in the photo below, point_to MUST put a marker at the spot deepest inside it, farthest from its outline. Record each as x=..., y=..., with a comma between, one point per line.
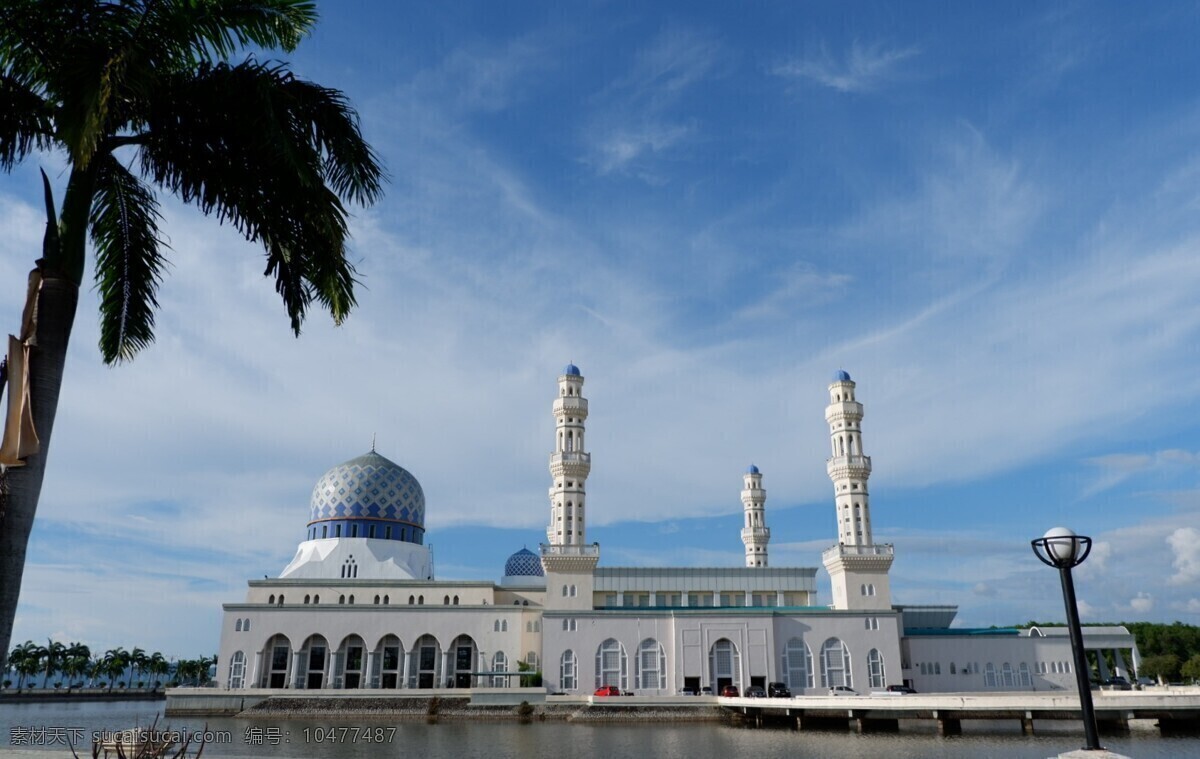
x=213, y=30
x=26, y=122
x=273, y=156
x=129, y=262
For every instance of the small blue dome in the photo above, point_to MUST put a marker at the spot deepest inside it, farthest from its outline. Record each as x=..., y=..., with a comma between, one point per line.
x=571, y=370
x=523, y=563
x=752, y=470
x=841, y=375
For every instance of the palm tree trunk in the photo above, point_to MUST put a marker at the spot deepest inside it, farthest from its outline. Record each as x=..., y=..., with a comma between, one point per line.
x=57, y=302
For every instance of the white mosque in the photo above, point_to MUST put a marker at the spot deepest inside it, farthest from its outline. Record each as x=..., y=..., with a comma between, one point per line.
x=359, y=606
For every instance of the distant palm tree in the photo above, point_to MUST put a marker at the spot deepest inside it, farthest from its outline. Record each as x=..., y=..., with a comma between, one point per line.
x=75, y=662
x=138, y=659
x=114, y=663
x=158, y=666
x=142, y=94
x=27, y=659
x=53, y=658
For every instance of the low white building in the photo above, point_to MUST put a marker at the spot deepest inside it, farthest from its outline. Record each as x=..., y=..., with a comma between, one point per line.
x=359, y=607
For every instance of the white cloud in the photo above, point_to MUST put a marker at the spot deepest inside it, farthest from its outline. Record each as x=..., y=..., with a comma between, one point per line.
x=1087, y=611
x=1142, y=603
x=864, y=67
x=634, y=119
x=1185, y=544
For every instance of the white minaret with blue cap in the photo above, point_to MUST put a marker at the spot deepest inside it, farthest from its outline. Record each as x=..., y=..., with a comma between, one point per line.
x=569, y=464
x=857, y=567
x=567, y=558
x=755, y=533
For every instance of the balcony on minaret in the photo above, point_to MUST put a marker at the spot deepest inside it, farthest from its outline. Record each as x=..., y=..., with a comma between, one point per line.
x=848, y=466
x=756, y=532
x=843, y=550
x=571, y=404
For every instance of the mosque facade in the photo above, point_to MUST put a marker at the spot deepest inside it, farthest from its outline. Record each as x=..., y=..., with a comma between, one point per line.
x=359, y=606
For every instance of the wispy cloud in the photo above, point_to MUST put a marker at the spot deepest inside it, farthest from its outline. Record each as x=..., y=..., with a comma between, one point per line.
x=862, y=68
x=634, y=117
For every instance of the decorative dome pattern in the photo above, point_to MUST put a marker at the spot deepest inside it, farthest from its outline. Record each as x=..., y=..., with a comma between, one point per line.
x=369, y=487
x=523, y=563
x=841, y=375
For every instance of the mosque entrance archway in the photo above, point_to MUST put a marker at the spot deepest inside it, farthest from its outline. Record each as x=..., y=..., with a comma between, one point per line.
x=390, y=655
x=426, y=655
x=314, y=658
x=465, y=655
x=351, y=663
x=278, y=655
x=724, y=665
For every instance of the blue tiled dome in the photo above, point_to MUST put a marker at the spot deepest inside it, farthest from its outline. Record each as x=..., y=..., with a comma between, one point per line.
x=369, y=487
x=523, y=563
x=571, y=370
x=841, y=375
x=752, y=469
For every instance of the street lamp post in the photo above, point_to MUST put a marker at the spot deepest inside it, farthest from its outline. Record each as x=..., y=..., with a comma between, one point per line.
x=1063, y=549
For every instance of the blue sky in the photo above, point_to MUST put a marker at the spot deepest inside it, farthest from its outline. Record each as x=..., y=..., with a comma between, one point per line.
x=990, y=216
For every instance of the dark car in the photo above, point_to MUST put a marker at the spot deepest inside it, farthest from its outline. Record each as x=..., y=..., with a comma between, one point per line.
x=1118, y=683
x=730, y=691
x=900, y=689
x=756, y=691
x=779, y=690
x=608, y=690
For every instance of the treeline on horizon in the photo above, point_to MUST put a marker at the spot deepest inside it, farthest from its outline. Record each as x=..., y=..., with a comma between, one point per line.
x=76, y=662
x=1169, y=651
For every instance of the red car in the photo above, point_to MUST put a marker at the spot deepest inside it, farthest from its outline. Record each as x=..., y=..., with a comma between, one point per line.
x=730, y=691
x=608, y=690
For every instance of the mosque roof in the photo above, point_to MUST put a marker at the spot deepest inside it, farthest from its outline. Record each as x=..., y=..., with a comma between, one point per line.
x=369, y=487
x=841, y=375
x=752, y=469
x=571, y=370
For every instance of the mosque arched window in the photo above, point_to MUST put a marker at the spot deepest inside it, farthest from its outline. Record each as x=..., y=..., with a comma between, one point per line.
x=352, y=599
x=238, y=626
x=412, y=600
x=456, y=600
x=377, y=600
x=537, y=626
x=281, y=599
x=246, y=626
x=237, y=670
x=651, y=665
x=354, y=531
x=307, y=599
x=496, y=626
x=342, y=599
x=420, y=600
x=371, y=531
x=316, y=600
x=875, y=671
x=386, y=600
x=612, y=665
x=798, y=664
x=271, y=600
x=835, y=664
x=499, y=664
x=504, y=625
x=324, y=531
x=337, y=531
x=446, y=601
x=566, y=670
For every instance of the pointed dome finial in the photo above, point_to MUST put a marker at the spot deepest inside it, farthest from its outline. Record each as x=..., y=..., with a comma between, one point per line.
x=372, y=442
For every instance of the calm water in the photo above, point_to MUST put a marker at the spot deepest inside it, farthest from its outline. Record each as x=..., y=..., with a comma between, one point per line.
x=553, y=740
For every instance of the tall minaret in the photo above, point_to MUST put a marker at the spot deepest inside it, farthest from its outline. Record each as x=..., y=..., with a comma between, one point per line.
x=566, y=557
x=857, y=567
x=569, y=464
x=755, y=533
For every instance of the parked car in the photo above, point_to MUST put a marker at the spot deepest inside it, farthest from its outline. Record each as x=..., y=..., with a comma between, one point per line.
x=904, y=689
x=608, y=690
x=779, y=690
x=1118, y=683
x=706, y=691
x=842, y=690
x=730, y=691
x=756, y=691
x=685, y=691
